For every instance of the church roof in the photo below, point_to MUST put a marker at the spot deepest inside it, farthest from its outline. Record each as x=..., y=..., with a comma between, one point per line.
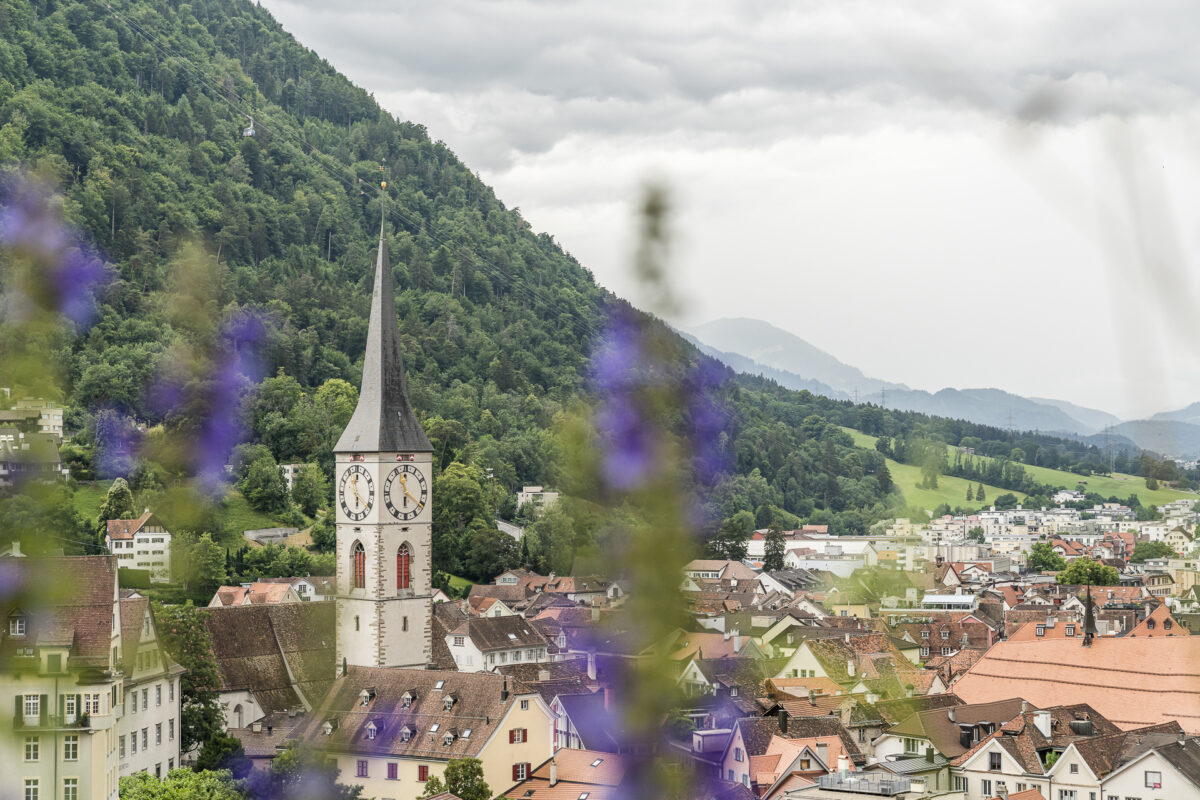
x=384, y=420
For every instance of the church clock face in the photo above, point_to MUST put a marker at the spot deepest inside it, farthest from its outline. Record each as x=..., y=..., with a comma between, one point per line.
x=356, y=492
x=405, y=492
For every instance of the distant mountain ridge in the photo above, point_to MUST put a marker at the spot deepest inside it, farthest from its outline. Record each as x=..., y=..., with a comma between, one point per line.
x=758, y=347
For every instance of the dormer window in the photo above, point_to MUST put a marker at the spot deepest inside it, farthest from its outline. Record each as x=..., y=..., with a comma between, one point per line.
x=16, y=625
x=407, y=699
x=945, y=634
x=371, y=729
x=448, y=739
x=1041, y=630
x=405, y=733
x=1070, y=630
x=925, y=634
x=327, y=728
x=1150, y=624
x=448, y=702
x=364, y=697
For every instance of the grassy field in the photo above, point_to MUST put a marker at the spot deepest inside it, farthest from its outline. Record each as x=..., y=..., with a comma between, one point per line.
x=951, y=491
x=460, y=585
x=908, y=477
x=88, y=497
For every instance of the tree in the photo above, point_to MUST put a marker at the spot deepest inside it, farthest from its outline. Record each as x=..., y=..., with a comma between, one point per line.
x=1042, y=558
x=464, y=778
x=118, y=502
x=1146, y=550
x=208, y=562
x=324, y=535
x=1085, y=571
x=730, y=540
x=302, y=774
x=309, y=489
x=264, y=487
x=224, y=753
x=975, y=535
x=180, y=784
x=773, y=550
x=186, y=639
x=970, y=493
x=1151, y=483
x=491, y=553
x=433, y=787
x=979, y=493
x=461, y=503
x=1006, y=501
x=552, y=541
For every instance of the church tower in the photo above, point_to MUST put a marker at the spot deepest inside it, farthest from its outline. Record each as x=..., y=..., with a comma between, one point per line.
x=384, y=478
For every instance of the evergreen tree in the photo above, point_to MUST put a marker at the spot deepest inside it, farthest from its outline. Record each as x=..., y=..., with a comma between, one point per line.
x=970, y=492
x=309, y=489
x=773, y=550
x=118, y=503
x=979, y=493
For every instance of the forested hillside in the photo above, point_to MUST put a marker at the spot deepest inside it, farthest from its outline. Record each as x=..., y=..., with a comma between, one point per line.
x=224, y=170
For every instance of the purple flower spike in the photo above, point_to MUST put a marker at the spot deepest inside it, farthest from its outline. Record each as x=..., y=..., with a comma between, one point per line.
x=67, y=274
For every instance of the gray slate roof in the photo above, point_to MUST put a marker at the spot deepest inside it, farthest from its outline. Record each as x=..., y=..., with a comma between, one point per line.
x=383, y=421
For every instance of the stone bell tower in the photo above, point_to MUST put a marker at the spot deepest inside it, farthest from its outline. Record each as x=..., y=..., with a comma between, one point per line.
x=384, y=487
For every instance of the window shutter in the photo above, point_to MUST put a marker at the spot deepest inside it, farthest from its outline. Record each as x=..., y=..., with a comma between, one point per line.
x=78, y=705
x=516, y=772
x=21, y=708
x=528, y=769
x=43, y=706
x=512, y=732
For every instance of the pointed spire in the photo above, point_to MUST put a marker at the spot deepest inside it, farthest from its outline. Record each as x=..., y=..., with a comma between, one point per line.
x=384, y=420
x=1089, y=619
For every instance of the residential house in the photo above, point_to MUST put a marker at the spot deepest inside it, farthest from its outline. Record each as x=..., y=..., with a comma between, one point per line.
x=590, y=722
x=390, y=730
x=148, y=730
x=481, y=644
x=28, y=457
x=1018, y=756
x=946, y=733
x=60, y=669
x=143, y=543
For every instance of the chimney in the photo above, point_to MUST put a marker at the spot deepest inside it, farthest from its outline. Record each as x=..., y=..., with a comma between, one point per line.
x=951, y=715
x=929, y=754
x=1024, y=706
x=737, y=641
x=823, y=754
x=591, y=665
x=553, y=772
x=607, y=698
x=850, y=667
x=270, y=728
x=504, y=691
x=256, y=727
x=543, y=675
x=847, y=638
x=843, y=763
x=812, y=697
x=1041, y=721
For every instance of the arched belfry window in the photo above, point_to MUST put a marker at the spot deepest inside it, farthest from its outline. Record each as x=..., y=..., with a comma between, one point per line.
x=358, y=565
x=403, y=567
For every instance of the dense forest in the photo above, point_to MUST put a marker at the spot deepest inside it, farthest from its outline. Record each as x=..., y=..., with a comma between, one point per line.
x=230, y=177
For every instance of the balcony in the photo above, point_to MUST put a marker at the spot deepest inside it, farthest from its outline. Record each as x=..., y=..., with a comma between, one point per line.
x=51, y=722
x=865, y=783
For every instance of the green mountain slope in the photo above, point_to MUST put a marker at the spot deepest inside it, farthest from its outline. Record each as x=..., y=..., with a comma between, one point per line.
x=140, y=114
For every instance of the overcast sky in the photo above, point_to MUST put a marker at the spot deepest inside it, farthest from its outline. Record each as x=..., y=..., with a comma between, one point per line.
x=941, y=194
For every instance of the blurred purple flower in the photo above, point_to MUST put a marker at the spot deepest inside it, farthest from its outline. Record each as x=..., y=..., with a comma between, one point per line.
x=67, y=273
x=236, y=369
x=627, y=437
x=707, y=420
x=117, y=442
x=12, y=578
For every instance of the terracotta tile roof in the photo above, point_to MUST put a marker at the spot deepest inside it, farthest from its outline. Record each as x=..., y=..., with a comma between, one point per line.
x=76, y=610
x=550, y=679
x=827, y=729
x=1159, y=622
x=1132, y=681
x=598, y=774
x=277, y=730
x=950, y=667
x=787, y=688
x=257, y=645
x=478, y=708
x=257, y=593
x=126, y=528
x=1028, y=794
x=939, y=632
